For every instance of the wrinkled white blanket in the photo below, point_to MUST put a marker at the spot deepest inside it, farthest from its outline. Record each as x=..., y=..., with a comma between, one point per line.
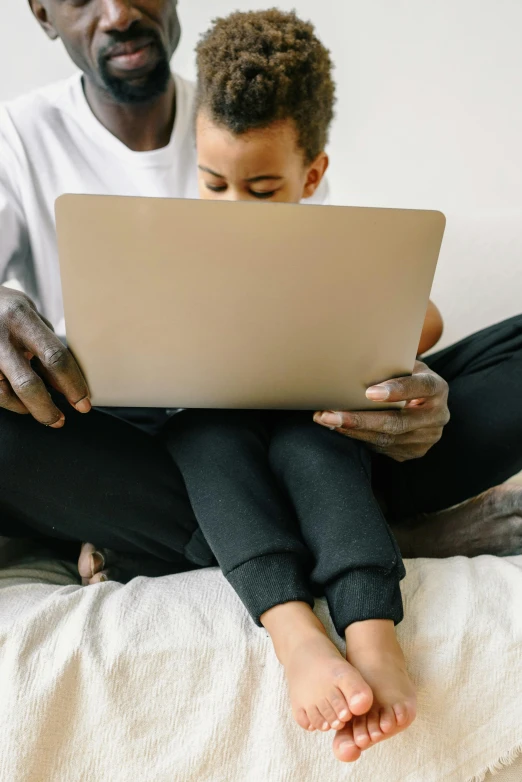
x=168, y=680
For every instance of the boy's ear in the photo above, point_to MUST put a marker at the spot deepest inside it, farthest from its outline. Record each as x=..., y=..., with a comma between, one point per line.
x=315, y=174
x=39, y=10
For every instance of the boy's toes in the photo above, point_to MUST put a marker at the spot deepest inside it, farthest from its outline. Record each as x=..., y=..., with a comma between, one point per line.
x=361, y=702
x=374, y=728
x=360, y=732
x=340, y=707
x=301, y=717
x=387, y=720
x=328, y=712
x=344, y=747
x=404, y=714
x=316, y=719
x=357, y=693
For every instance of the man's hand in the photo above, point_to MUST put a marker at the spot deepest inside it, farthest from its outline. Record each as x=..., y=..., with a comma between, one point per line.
x=25, y=335
x=403, y=434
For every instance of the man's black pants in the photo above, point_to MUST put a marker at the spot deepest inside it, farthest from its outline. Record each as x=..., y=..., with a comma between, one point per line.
x=102, y=479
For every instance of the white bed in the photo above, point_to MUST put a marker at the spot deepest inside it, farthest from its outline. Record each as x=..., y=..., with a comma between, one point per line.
x=168, y=680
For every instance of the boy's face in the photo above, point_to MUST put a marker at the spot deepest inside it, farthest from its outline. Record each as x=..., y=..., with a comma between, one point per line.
x=265, y=164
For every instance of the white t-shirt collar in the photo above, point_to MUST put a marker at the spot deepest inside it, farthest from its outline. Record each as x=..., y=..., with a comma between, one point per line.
x=155, y=158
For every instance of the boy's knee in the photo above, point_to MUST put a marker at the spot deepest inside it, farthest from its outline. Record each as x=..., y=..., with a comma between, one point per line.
x=223, y=432
x=311, y=447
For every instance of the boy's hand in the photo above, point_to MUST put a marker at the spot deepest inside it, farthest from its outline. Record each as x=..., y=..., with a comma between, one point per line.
x=403, y=434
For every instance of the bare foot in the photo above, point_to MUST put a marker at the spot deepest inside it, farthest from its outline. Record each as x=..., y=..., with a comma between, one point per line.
x=325, y=690
x=488, y=524
x=372, y=648
x=97, y=564
x=91, y=564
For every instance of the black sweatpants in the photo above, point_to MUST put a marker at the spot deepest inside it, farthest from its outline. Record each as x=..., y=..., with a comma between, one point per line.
x=482, y=444
x=288, y=509
x=102, y=479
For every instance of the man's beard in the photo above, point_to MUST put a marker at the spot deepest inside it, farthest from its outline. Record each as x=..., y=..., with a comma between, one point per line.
x=150, y=86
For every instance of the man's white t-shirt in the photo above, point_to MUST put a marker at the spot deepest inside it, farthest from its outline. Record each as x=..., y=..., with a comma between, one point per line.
x=51, y=143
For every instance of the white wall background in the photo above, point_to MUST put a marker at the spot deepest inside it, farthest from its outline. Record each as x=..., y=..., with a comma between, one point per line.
x=429, y=115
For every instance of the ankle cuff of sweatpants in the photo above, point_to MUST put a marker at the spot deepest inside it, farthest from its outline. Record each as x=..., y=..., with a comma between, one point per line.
x=269, y=580
x=364, y=593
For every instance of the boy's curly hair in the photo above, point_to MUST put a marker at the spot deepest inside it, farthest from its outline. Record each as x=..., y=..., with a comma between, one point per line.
x=255, y=68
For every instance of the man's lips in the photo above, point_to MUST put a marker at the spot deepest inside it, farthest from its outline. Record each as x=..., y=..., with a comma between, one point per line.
x=131, y=55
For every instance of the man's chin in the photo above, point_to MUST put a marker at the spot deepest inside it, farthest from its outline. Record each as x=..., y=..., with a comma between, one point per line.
x=140, y=86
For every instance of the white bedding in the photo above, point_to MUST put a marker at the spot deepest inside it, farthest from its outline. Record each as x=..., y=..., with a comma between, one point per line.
x=168, y=680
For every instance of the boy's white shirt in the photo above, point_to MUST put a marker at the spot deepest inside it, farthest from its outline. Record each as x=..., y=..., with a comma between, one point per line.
x=51, y=143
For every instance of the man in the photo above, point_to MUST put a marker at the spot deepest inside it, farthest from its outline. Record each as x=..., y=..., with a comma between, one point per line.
x=125, y=128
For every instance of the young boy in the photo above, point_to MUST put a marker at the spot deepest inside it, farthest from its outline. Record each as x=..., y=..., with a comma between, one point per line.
x=287, y=506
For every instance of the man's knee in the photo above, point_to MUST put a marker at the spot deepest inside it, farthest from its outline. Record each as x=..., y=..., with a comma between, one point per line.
x=13, y=436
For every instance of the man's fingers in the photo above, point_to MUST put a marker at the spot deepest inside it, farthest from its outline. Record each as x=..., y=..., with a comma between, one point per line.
x=64, y=374
x=25, y=335
x=402, y=434
x=82, y=406
x=411, y=445
x=404, y=389
x=9, y=400
x=388, y=422
x=48, y=323
x=30, y=390
x=57, y=362
x=378, y=440
x=429, y=434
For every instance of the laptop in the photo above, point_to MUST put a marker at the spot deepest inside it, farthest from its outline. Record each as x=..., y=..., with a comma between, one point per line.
x=194, y=304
